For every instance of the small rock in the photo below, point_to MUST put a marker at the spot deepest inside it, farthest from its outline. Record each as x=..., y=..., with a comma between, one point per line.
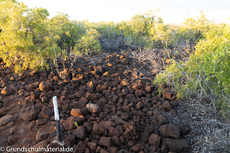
x=173, y=112
x=105, y=141
x=90, y=86
x=46, y=112
x=6, y=91
x=70, y=141
x=154, y=139
x=177, y=145
x=167, y=105
x=69, y=123
x=161, y=120
x=88, y=127
x=148, y=89
x=36, y=109
x=93, y=108
x=112, y=149
x=79, y=132
x=138, y=93
x=35, y=95
x=31, y=125
x=164, y=148
x=29, y=116
x=168, y=93
x=41, y=121
x=76, y=112
x=6, y=119
x=92, y=145
x=113, y=132
x=12, y=140
x=44, y=99
x=115, y=141
x=41, y=135
x=97, y=129
x=144, y=136
x=45, y=86
x=41, y=144
x=12, y=130
x=138, y=147
x=130, y=143
x=25, y=140
x=139, y=105
x=103, y=151
x=170, y=131
x=80, y=148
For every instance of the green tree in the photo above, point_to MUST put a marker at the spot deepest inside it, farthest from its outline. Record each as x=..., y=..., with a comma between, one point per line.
x=20, y=35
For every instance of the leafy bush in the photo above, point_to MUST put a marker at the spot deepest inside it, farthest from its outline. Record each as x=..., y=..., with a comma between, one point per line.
x=28, y=39
x=207, y=70
x=88, y=43
x=21, y=35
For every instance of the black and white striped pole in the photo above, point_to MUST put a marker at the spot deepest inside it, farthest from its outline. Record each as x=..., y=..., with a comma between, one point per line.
x=57, y=120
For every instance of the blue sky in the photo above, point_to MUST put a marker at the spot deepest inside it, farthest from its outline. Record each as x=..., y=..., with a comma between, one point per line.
x=172, y=11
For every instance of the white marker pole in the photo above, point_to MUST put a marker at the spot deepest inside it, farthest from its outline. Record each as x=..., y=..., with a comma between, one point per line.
x=57, y=120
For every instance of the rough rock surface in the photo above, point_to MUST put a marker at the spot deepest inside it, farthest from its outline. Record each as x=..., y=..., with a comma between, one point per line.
x=103, y=107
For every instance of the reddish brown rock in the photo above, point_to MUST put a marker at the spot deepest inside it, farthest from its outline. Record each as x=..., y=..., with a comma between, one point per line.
x=113, y=132
x=154, y=139
x=41, y=144
x=164, y=148
x=12, y=140
x=106, y=124
x=6, y=119
x=144, y=136
x=112, y=149
x=44, y=99
x=6, y=91
x=168, y=93
x=93, y=108
x=46, y=112
x=105, y=141
x=79, y=133
x=170, y=131
x=167, y=105
x=36, y=109
x=138, y=147
x=92, y=146
x=76, y=112
x=139, y=105
x=130, y=132
x=45, y=86
x=90, y=86
x=177, y=145
x=29, y=116
x=103, y=151
x=88, y=127
x=69, y=123
x=138, y=93
x=161, y=120
x=80, y=148
x=41, y=121
x=70, y=141
x=41, y=135
x=148, y=89
x=97, y=129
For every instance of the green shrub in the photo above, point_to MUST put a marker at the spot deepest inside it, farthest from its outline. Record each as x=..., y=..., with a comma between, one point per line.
x=21, y=35
x=207, y=70
x=88, y=43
